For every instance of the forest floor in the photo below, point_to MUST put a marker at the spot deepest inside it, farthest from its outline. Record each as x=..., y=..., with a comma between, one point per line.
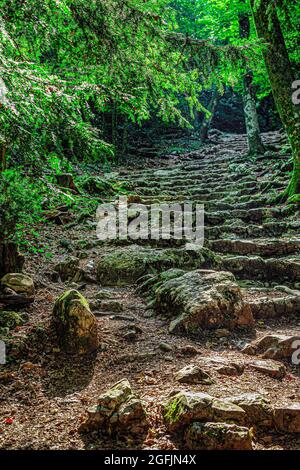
x=44, y=394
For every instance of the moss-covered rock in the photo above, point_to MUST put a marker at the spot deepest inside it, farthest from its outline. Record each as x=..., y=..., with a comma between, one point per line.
x=118, y=411
x=185, y=408
x=217, y=436
x=198, y=300
x=75, y=324
x=126, y=265
x=19, y=283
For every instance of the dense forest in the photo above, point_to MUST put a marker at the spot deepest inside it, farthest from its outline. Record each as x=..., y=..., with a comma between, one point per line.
x=119, y=327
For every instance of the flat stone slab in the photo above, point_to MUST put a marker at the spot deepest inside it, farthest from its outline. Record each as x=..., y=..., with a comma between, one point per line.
x=259, y=247
x=268, y=307
x=270, y=368
x=223, y=366
x=255, y=267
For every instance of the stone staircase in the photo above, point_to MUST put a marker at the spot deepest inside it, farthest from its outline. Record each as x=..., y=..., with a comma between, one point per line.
x=256, y=239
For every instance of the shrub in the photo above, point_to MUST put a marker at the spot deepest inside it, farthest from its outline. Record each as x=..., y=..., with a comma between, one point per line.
x=20, y=206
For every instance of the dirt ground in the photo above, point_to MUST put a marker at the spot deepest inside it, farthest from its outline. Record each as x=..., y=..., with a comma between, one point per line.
x=44, y=394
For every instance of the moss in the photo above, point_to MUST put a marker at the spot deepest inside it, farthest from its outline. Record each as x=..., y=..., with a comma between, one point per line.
x=174, y=410
x=295, y=199
x=10, y=319
x=75, y=325
x=127, y=265
x=62, y=304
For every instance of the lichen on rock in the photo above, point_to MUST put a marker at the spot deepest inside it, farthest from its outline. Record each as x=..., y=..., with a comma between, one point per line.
x=118, y=411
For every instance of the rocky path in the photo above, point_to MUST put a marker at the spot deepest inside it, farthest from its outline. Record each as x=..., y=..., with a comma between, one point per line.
x=204, y=337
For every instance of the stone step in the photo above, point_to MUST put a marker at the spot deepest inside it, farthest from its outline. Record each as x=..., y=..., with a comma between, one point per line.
x=234, y=230
x=259, y=247
x=272, y=304
x=200, y=175
x=285, y=270
x=205, y=193
x=251, y=215
x=243, y=202
x=201, y=185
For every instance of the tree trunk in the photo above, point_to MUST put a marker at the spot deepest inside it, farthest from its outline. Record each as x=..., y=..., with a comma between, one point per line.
x=255, y=144
x=205, y=126
x=3, y=159
x=11, y=261
x=281, y=78
x=114, y=139
x=125, y=136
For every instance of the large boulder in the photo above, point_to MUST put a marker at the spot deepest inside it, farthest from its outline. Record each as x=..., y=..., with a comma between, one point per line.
x=75, y=324
x=126, y=265
x=186, y=407
x=97, y=185
x=118, y=412
x=217, y=436
x=199, y=300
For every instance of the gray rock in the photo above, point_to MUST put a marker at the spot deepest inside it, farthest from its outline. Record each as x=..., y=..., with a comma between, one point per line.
x=187, y=407
x=259, y=412
x=273, y=346
x=192, y=374
x=217, y=436
x=118, y=411
x=287, y=418
x=165, y=347
x=18, y=283
x=270, y=368
x=69, y=269
x=200, y=300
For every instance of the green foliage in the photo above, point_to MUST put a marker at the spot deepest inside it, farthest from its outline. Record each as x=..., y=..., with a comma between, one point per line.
x=20, y=206
x=67, y=63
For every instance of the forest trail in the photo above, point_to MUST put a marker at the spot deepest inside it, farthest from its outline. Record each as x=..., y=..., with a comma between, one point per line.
x=256, y=241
